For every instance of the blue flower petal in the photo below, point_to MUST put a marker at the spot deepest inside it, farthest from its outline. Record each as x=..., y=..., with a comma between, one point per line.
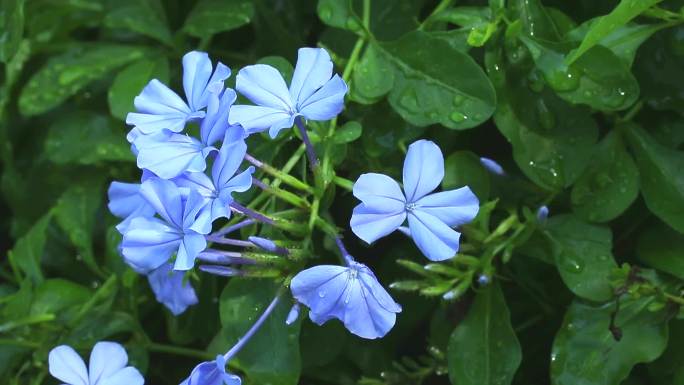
x=383, y=207
x=159, y=108
x=257, y=118
x=229, y=159
x=314, y=68
x=212, y=373
x=169, y=155
x=264, y=86
x=67, y=366
x=423, y=169
x=125, y=376
x=165, y=197
x=434, y=238
x=106, y=358
x=195, y=202
x=351, y=294
x=171, y=289
x=453, y=207
x=197, y=78
x=492, y=166
x=125, y=200
x=197, y=181
x=191, y=245
x=327, y=102
x=148, y=243
x=215, y=124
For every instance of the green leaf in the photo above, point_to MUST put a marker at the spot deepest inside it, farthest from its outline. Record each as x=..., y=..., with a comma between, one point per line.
x=75, y=213
x=435, y=83
x=28, y=251
x=662, y=248
x=58, y=295
x=272, y=356
x=463, y=168
x=536, y=19
x=11, y=27
x=339, y=14
x=131, y=80
x=146, y=17
x=372, y=77
x=583, y=255
x=213, y=16
x=483, y=349
x=609, y=185
x=585, y=352
x=64, y=75
x=466, y=17
x=86, y=138
x=348, y=133
x=662, y=179
x=598, y=79
x=621, y=15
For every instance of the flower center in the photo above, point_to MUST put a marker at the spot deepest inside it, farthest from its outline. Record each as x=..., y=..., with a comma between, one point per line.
x=410, y=206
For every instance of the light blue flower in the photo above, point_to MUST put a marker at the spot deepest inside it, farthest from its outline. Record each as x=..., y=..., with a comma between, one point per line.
x=212, y=373
x=542, y=213
x=351, y=294
x=107, y=366
x=385, y=207
x=224, y=181
x=126, y=202
x=159, y=108
x=171, y=289
x=168, y=154
x=314, y=93
x=492, y=166
x=150, y=242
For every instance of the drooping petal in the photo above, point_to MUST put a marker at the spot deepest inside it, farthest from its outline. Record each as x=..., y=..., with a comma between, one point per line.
x=169, y=155
x=126, y=376
x=372, y=286
x=197, y=78
x=327, y=102
x=434, y=238
x=191, y=245
x=364, y=316
x=320, y=288
x=257, y=118
x=215, y=124
x=67, y=366
x=212, y=373
x=423, y=169
x=106, y=358
x=171, y=289
x=148, y=243
x=264, y=86
x=314, y=68
x=125, y=200
x=159, y=108
x=166, y=199
x=371, y=223
x=453, y=207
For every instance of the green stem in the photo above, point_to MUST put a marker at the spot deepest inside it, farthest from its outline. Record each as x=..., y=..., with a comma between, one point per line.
x=344, y=183
x=179, y=351
x=444, y=4
x=675, y=299
x=286, y=178
x=30, y=320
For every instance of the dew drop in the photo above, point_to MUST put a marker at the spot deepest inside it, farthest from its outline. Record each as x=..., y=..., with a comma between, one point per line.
x=457, y=117
x=321, y=293
x=458, y=100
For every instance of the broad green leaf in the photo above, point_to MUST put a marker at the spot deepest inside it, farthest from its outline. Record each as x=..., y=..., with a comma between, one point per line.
x=213, y=16
x=621, y=15
x=609, y=185
x=536, y=19
x=11, y=27
x=583, y=255
x=86, y=138
x=372, y=77
x=669, y=367
x=75, y=213
x=146, y=17
x=339, y=14
x=463, y=168
x=64, y=75
x=662, y=248
x=483, y=349
x=466, y=16
x=272, y=355
x=585, y=352
x=660, y=70
x=391, y=19
x=598, y=79
x=130, y=81
x=28, y=250
x=56, y=296
x=435, y=83
x=661, y=176
x=349, y=132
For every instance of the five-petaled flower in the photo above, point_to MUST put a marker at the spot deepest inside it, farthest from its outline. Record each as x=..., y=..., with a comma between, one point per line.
x=385, y=207
x=212, y=373
x=107, y=366
x=314, y=93
x=349, y=293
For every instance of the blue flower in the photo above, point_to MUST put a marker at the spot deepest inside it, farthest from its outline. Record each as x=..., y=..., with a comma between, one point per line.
x=351, y=294
x=212, y=373
x=159, y=108
x=171, y=289
x=492, y=166
x=107, y=366
x=150, y=242
x=169, y=154
x=542, y=213
x=218, y=189
x=126, y=202
x=385, y=207
x=314, y=93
